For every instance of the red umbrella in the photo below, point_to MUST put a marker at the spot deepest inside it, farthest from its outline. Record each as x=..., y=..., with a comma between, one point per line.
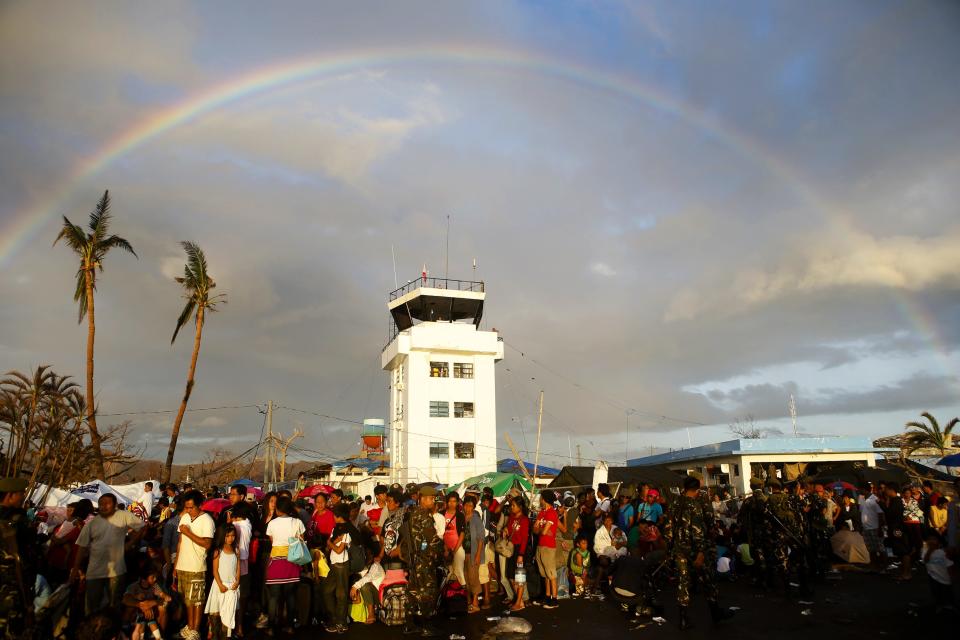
x=313, y=490
x=256, y=491
x=840, y=485
x=215, y=505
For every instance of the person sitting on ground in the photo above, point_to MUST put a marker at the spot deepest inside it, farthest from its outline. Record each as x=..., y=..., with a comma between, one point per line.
x=650, y=509
x=938, y=515
x=609, y=541
x=146, y=603
x=367, y=587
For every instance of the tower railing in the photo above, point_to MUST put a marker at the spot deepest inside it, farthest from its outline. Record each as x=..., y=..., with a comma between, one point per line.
x=430, y=282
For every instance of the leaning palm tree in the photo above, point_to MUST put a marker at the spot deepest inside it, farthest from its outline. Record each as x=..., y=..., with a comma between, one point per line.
x=91, y=245
x=920, y=435
x=197, y=285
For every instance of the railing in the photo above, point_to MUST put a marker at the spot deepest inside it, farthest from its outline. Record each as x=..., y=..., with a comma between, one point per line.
x=436, y=283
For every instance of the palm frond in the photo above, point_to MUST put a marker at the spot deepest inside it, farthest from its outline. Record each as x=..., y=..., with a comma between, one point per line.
x=184, y=316
x=100, y=218
x=80, y=295
x=116, y=242
x=73, y=235
x=933, y=421
x=947, y=430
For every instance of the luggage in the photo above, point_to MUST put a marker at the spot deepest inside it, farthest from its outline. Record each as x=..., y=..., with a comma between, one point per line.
x=454, y=599
x=393, y=605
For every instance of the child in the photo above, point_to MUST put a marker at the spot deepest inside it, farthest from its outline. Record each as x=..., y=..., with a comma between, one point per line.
x=149, y=601
x=580, y=566
x=367, y=588
x=939, y=569
x=336, y=585
x=224, y=597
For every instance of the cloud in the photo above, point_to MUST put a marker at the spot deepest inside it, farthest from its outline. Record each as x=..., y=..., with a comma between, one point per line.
x=212, y=421
x=851, y=259
x=602, y=269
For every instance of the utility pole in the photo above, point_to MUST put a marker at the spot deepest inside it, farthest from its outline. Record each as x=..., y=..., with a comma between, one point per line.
x=536, y=458
x=267, y=453
x=284, y=445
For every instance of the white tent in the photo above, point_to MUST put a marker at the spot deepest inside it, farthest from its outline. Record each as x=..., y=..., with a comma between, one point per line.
x=91, y=490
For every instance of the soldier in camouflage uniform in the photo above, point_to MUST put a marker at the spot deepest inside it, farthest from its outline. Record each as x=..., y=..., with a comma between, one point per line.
x=750, y=517
x=424, y=554
x=786, y=533
x=17, y=573
x=801, y=553
x=820, y=532
x=686, y=532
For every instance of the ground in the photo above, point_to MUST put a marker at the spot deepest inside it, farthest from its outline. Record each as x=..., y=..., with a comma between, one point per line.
x=857, y=605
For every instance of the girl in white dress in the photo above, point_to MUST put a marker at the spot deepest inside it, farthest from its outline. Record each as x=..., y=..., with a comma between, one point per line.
x=223, y=599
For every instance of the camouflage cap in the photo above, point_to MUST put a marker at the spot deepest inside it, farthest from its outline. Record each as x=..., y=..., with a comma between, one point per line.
x=430, y=492
x=13, y=485
x=756, y=483
x=773, y=482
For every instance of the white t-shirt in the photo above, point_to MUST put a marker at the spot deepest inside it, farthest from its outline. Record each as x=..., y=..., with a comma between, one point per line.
x=244, y=533
x=338, y=558
x=938, y=566
x=147, y=501
x=192, y=558
x=439, y=524
x=105, y=538
x=870, y=513
x=282, y=529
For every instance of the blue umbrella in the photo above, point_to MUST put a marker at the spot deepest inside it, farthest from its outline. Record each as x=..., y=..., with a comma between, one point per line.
x=246, y=482
x=953, y=460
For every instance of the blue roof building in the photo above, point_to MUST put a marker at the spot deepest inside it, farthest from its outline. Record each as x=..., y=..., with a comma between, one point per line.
x=733, y=462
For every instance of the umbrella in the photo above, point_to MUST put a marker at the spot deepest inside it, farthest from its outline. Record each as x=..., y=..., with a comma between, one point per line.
x=257, y=492
x=247, y=482
x=215, y=505
x=953, y=460
x=500, y=483
x=850, y=547
x=841, y=485
x=314, y=489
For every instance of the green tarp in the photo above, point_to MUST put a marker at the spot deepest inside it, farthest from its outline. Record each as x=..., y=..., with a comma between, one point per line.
x=501, y=483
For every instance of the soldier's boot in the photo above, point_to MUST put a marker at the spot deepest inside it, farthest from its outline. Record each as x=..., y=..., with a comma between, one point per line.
x=719, y=614
x=685, y=619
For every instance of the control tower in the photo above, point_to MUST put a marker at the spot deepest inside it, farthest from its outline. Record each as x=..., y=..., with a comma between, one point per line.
x=443, y=414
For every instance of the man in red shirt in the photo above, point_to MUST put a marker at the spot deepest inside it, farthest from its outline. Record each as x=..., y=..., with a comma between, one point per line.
x=546, y=527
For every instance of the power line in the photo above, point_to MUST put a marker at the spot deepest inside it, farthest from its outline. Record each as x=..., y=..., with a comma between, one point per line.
x=606, y=399
x=145, y=413
x=319, y=415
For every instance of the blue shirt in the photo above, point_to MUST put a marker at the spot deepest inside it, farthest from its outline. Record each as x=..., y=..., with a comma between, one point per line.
x=651, y=512
x=623, y=517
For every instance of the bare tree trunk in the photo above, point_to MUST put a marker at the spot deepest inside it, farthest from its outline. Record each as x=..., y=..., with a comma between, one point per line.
x=168, y=467
x=91, y=407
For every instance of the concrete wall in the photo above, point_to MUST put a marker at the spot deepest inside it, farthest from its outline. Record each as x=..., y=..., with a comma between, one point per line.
x=412, y=351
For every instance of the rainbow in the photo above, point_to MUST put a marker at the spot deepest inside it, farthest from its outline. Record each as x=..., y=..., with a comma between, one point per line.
x=25, y=224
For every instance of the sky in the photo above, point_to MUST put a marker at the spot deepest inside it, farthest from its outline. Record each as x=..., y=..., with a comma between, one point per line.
x=684, y=212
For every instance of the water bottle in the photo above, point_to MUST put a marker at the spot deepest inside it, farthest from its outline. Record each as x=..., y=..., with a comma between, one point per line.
x=423, y=545
x=520, y=576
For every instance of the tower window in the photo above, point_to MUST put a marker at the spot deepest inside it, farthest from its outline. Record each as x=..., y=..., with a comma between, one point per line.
x=439, y=369
x=462, y=370
x=463, y=450
x=440, y=450
x=462, y=409
x=440, y=409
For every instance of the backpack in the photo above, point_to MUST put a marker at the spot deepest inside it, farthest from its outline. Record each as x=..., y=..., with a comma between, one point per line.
x=393, y=605
x=358, y=558
x=454, y=599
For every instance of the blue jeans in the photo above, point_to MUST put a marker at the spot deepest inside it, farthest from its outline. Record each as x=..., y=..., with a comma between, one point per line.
x=285, y=593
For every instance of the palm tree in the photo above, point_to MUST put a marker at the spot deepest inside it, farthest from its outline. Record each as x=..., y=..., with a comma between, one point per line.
x=197, y=285
x=91, y=245
x=920, y=435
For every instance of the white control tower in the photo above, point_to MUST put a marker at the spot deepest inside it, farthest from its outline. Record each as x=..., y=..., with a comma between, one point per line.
x=443, y=407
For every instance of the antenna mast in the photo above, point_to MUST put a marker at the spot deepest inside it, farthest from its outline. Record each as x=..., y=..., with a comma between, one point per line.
x=793, y=414
x=446, y=267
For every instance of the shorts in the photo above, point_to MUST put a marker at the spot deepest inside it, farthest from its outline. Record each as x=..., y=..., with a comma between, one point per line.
x=193, y=587
x=871, y=537
x=547, y=562
x=472, y=575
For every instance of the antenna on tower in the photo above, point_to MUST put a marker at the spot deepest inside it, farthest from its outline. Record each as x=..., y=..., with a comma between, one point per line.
x=393, y=254
x=793, y=414
x=474, y=266
x=446, y=268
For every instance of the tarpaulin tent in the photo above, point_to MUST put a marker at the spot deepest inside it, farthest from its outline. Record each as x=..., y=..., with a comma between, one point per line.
x=92, y=491
x=500, y=483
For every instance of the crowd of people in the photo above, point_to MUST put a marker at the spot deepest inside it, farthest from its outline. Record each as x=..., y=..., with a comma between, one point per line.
x=188, y=565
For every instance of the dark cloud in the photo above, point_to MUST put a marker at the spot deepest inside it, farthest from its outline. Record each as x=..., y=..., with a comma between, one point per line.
x=636, y=258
